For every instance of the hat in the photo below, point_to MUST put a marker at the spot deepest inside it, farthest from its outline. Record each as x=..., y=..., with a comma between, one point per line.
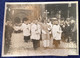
x=54, y=19
x=72, y=21
x=68, y=19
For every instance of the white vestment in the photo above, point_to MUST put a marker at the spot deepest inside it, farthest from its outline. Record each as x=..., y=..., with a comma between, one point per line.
x=44, y=31
x=56, y=32
x=26, y=29
x=35, y=31
x=16, y=28
x=50, y=25
x=46, y=43
x=45, y=35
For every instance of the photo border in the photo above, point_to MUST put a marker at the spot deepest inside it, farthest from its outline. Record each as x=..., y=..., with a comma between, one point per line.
x=54, y=2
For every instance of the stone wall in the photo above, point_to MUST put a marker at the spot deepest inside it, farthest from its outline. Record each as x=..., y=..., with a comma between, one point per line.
x=31, y=11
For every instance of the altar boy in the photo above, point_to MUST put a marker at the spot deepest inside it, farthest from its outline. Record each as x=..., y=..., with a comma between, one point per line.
x=56, y=33
x=26, y=29
x=35, y=34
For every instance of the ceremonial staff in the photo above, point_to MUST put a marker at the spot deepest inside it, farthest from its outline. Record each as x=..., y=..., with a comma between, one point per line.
x=46, y=12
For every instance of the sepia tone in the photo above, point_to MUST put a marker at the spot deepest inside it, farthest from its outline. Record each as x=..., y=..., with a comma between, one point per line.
x=17, y=14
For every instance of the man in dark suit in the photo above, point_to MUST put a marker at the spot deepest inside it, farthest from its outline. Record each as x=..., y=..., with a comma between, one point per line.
x=68, y=30
x=8, y=34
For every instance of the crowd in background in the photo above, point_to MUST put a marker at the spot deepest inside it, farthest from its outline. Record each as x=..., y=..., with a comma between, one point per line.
x=38, y=30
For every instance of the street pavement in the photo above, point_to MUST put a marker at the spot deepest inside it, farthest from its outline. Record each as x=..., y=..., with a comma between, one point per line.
x=20, y=48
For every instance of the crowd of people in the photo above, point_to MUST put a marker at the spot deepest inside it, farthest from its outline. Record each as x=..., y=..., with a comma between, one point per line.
x=44, y=31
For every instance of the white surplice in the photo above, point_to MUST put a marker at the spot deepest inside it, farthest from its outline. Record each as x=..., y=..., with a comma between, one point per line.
x=16, y=28
x=35, y=31
x=56, y=32
x=26, y=29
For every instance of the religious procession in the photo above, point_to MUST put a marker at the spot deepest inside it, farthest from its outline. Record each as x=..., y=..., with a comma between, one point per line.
x=52, y=31
x=49, y=32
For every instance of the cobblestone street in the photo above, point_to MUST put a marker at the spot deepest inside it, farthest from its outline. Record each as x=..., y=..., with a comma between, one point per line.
x=19, y=47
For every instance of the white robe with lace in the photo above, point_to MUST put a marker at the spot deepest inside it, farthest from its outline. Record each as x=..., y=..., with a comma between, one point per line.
x=56, y=32
x=35, y=31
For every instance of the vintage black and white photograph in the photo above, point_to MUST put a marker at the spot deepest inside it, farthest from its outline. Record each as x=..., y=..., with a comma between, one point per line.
x=40, y=28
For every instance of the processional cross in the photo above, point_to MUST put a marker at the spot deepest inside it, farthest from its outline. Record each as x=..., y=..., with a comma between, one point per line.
x=69, y=5
x=46, y=12
x=59, y=16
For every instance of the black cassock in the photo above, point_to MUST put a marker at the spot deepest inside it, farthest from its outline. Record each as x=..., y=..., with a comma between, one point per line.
x=67, y=32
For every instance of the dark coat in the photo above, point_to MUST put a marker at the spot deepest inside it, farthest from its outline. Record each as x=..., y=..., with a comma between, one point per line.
x=8, y=33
